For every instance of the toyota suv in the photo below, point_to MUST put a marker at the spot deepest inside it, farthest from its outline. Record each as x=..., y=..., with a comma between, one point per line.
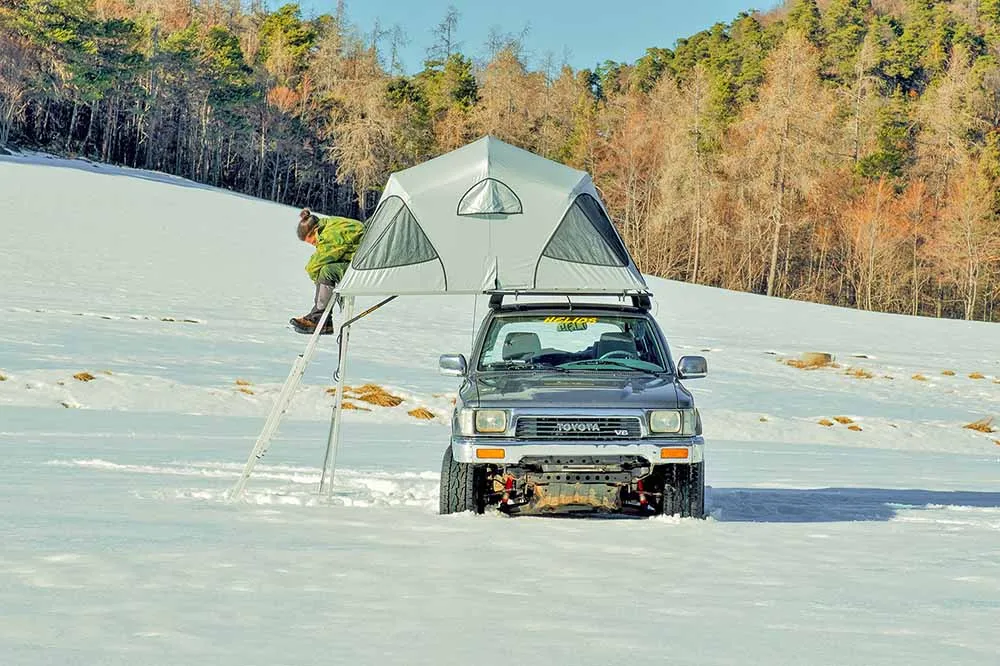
x=570, y=408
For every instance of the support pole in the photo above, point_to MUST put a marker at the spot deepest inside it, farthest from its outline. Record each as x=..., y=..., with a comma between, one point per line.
x=333, y=437
x=281, y=404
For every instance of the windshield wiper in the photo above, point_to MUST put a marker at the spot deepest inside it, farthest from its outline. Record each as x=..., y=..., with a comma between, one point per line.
x=610, y=361
x=520, y=365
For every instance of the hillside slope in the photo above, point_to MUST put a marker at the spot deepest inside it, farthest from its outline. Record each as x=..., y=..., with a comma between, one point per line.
x=825, y=546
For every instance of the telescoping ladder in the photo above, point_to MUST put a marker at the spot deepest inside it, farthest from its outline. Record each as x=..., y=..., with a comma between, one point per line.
x=291, y=385
x=281, y=404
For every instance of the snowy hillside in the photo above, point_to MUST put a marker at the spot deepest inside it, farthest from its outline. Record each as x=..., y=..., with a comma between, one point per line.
x=873, y=541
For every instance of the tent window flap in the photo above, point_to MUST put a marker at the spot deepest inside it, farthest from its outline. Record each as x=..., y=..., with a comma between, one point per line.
x=395, y=239
x=587, y=236
x=490, y=197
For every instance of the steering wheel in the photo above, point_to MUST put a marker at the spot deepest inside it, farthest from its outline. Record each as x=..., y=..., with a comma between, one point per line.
x=619, y=353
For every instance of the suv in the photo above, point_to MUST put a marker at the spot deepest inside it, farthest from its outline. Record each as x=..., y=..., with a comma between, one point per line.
x=569, y=407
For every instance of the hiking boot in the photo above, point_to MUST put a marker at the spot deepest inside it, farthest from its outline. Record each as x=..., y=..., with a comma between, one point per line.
x=307, y=326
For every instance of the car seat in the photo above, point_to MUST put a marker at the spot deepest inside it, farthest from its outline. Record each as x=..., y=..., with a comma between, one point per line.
x=611, y=342
x=520, y=345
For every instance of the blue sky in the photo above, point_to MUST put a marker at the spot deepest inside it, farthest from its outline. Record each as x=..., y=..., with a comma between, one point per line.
x=587, y=30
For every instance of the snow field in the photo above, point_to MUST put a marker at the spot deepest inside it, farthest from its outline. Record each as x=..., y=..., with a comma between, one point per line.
x=825, y=545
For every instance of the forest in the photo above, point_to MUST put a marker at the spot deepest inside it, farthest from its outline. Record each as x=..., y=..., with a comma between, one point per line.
x=838, y=151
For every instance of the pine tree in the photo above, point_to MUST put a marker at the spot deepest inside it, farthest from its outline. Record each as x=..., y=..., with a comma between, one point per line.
x=805, y=17
x=846, y=23
x=894, y=142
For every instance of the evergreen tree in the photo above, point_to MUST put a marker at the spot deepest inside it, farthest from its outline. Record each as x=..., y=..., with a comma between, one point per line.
x=894, y=142
x=846, y=23
x=805, y=17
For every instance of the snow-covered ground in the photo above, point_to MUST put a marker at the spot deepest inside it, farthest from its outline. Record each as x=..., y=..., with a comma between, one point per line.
x=826, y=545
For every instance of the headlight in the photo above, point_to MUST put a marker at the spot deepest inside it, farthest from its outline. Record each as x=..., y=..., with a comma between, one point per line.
x=683, y=422
x=665, y=421
x=491, y=421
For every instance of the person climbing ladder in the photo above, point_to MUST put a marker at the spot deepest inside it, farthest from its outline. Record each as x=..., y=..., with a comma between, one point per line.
x=336, y=239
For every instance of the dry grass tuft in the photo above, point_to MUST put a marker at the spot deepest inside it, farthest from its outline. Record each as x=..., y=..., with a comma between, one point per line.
x=763, y=419
x=855, y=427
x=997, y=442
x=948, y=373
x=982, y=425
x=84, y=377
x=843, y=420
x=3, y=377
x=811, y=361
x=352, y=406
x=243, y=382
x=421, y=413
x=919, y=377
x=977, y=375
x=244, y=389
x=376, y=395
x=859, y=373
x=826, y=422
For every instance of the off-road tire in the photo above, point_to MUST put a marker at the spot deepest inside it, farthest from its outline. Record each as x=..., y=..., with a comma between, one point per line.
x=683, y=490
x=462, y=486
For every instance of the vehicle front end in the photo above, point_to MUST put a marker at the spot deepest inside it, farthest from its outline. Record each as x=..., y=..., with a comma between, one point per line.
x=581, y=413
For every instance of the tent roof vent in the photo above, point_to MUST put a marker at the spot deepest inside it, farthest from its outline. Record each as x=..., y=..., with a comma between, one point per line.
x=490, y=197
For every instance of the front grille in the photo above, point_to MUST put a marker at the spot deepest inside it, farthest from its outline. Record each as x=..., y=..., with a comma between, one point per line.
x=578, y=427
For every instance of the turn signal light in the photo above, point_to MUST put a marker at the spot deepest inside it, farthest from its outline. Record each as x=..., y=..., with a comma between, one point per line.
x=490, y=454
x=674, y=454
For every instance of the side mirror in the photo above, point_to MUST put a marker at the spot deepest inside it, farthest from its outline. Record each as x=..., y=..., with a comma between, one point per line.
x=453, y=365
x=692, y=367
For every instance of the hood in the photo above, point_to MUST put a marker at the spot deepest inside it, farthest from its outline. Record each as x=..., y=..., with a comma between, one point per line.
x=575, y=390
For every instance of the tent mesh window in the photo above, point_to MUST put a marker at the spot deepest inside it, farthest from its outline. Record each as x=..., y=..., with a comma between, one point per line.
x=587, y=236
x=490, y=197
x=394, y=238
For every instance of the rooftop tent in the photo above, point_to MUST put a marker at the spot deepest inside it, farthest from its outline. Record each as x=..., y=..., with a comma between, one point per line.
x=490, y=217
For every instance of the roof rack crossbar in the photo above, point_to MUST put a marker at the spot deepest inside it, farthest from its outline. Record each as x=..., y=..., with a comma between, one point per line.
x=640, y=299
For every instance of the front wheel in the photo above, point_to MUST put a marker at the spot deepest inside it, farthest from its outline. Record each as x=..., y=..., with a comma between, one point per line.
x=683, y=489
x=463, y=486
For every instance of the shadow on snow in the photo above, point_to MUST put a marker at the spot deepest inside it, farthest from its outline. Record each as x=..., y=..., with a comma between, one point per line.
x=829, y=505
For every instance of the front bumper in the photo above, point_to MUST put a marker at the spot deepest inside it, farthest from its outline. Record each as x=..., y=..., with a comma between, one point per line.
x=464, y=449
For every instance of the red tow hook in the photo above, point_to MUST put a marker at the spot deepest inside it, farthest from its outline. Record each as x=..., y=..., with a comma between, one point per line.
x=508, y=486
x=642, y=495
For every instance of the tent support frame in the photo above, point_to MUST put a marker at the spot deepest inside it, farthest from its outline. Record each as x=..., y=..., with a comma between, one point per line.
x=333, y=436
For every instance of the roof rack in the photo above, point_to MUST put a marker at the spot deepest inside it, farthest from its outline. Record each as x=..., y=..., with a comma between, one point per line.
x=640, y=299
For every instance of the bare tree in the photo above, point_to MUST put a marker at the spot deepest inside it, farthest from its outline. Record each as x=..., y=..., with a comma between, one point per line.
x=14, y=63
x=445, y=37
x=685, y=178
x=787, y=137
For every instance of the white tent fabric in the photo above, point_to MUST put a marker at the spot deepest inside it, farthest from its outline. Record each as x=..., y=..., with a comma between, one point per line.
x=490, y=217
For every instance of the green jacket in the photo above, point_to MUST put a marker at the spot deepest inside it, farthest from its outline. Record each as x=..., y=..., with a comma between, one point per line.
x=337, y=241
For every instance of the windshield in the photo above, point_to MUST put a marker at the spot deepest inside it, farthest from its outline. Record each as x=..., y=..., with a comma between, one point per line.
x=593, y=342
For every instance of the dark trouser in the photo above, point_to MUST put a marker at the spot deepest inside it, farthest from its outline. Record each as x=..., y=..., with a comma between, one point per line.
x=324, y=292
